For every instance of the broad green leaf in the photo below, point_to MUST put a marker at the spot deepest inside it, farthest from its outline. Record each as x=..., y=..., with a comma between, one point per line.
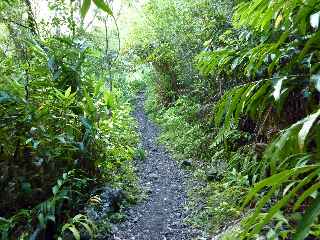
x=73, y=229
x=262, y=202
x=52, y=218
x=89, y=105
x=65, y=176
x=3, y=220
x=59, y=95
x=245, y=96
x=86, y=123
x=55, y=189
x=279, y=204
x=278, y=20
x=255, y=102
x=59, y=182
x=308, y=219
x=41, y=219
x=314, y=20
x=277, y=89
x=288, y=187
x=306, y=128
x=78, y=217
x=75, y=232
x=103, y=6
x=87, y=227
x=85, y=8
x=276, y=179
x=316, y=80
x=314, y=39
x=34, y=45
x=306, y=194
x=67, y=92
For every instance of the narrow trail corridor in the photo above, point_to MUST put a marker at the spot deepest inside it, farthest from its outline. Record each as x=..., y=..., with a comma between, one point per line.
x=161, y=216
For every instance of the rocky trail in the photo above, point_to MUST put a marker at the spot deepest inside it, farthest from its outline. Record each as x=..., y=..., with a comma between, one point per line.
x=161, y=215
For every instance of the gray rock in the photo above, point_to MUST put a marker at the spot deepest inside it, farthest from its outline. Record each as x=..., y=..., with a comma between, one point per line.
x=187, y=163
x=213, y=175
x=111, y=200
x=153, y=176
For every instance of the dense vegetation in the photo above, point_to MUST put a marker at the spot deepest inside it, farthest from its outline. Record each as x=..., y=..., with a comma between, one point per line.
x=64, y=127
x=238, y=86
x=234, y=84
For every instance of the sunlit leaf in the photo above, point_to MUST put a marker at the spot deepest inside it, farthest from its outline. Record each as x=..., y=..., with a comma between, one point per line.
x=277, y=89
x=73, y=229
x=85, y=7
x=306, y=128
x=103, y=6
x=316, y=80
x=314, y=20
x=67, y=92
x=307, y=220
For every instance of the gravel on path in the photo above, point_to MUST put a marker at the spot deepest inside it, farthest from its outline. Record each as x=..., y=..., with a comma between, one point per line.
x=161, y=215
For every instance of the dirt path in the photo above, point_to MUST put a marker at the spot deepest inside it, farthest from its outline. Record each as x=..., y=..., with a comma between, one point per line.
x=161, y=216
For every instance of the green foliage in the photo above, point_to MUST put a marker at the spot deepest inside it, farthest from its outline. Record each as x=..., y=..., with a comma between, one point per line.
x=234, y=84
x=60, y=122
x=7, y=225
x=169, y=37
x=221, y=201
x=101, y=4
x=67, y=191
x=285, y=52
x=79, y=221
x=140, y=154
x=259, y=67
x=175, y=120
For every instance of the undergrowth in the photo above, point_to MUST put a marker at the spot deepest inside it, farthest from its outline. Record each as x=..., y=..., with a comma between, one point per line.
x=50, y=219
